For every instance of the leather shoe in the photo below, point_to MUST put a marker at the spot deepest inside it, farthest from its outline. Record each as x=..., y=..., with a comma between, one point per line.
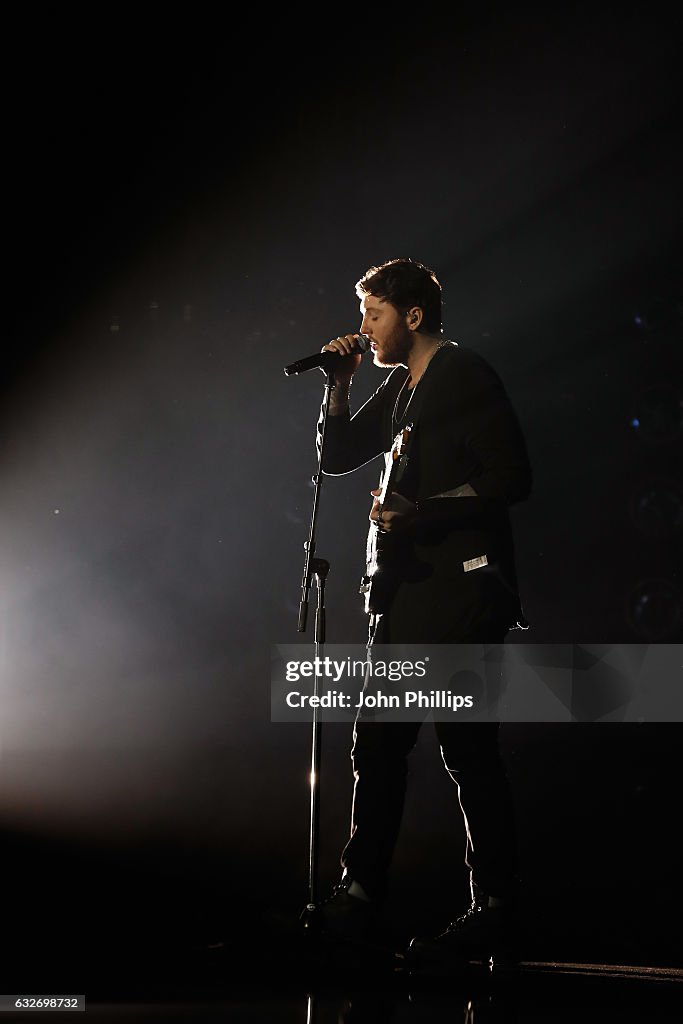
x=483, y=933
x=346, y=917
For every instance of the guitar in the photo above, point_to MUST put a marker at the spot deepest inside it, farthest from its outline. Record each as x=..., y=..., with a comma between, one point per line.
x=378, y=583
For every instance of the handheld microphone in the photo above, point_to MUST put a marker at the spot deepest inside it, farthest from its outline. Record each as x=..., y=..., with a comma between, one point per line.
x=326, y=360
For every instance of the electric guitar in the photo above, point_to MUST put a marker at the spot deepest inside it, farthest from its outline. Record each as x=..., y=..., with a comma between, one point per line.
x=378, y=583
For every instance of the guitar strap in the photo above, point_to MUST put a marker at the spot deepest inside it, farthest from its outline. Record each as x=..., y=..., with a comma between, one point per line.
x=416, y=400
x=411, y=413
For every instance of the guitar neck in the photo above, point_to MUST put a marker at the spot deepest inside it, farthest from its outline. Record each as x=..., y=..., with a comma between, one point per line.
x=395, y=463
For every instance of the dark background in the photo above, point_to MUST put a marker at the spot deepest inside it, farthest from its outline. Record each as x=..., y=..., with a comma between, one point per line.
x=189, y=200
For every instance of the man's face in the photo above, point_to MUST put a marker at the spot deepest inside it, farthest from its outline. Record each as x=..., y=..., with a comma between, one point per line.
x=387, y=330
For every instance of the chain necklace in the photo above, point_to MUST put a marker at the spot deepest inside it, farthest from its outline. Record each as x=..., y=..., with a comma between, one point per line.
x=394, y=417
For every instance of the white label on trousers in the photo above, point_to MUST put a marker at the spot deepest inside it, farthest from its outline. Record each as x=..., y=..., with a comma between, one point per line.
x=475, y=563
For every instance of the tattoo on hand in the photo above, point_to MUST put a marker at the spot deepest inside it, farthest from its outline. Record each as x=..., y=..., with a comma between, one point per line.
x=339, y=399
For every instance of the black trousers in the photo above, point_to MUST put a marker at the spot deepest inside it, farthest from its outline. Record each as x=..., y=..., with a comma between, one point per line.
x=471, y=755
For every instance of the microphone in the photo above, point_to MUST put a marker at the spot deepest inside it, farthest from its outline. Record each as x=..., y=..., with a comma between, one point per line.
x=326, y=360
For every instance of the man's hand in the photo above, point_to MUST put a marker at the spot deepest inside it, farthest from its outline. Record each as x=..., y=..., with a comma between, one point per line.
x=398, y=514
x=344, y=346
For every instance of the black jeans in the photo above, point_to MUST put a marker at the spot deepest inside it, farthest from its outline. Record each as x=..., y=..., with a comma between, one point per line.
x=471, y=754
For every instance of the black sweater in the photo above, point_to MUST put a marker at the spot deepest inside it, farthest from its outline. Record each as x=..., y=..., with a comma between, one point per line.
x=466, y=432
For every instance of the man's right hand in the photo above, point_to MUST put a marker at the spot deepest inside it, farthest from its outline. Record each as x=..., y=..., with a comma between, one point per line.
x=344, y=346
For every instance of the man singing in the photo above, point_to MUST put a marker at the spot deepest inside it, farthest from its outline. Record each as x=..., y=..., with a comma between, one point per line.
x=453, y=582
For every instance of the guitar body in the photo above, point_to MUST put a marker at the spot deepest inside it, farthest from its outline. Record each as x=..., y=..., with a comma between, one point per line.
x=379, y=582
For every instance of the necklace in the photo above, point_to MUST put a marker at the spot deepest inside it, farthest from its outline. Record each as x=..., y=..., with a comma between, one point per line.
x=394, y=415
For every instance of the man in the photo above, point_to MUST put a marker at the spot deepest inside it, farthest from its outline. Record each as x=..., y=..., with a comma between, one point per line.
x=454, y=583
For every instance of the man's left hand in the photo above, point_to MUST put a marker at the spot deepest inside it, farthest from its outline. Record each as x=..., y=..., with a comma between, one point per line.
x=398, y=513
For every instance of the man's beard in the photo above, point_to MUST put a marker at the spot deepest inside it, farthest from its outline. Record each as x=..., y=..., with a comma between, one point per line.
x=388, y=356
x=385, y=365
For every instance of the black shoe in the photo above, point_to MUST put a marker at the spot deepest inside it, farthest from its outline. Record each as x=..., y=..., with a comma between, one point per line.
x=345, y=917
x=483, y=933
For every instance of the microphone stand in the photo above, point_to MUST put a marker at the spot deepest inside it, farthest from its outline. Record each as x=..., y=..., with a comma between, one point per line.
x=318, y=568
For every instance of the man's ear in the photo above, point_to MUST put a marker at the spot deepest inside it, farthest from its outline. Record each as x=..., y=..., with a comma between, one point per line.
x=414, y=316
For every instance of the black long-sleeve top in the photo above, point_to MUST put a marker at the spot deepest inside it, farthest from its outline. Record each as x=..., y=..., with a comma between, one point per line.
x=466, y=432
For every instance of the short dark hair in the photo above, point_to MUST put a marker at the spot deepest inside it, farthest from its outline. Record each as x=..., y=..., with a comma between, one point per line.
x=405, y=283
